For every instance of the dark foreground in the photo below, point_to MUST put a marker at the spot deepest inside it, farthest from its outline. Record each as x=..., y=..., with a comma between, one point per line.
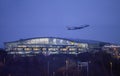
x=99, y=64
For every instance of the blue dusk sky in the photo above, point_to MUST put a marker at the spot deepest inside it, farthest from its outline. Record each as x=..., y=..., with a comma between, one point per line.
x=21, y=19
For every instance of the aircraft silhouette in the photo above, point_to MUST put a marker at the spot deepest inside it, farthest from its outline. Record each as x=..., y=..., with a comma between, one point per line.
x=77, y=27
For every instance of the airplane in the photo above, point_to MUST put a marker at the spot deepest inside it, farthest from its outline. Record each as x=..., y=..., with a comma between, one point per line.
x=77, y=27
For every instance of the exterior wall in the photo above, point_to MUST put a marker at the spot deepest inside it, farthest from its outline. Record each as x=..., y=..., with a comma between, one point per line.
x=114, y=50
x=45, y=45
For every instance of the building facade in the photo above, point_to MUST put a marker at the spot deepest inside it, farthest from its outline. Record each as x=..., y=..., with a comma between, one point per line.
x=45, y=45
x=48, y=45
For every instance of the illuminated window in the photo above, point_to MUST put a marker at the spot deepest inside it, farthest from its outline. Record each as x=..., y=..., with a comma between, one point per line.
x=72, y=43
x=19, y=48
x=28, y=49
x=36, y=49
x=72, y=49
x=44, y=49
x=61, y=41
x=68, y=42
x=63, y=49
x=21, y=45
x=39, y=41
x=54, y=41
x=52, y=49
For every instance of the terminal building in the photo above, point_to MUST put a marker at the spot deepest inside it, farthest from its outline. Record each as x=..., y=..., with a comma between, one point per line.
x=51, y=45
x=113, y=49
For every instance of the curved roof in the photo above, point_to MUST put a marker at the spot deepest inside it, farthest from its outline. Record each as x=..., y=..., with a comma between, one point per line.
x=68, y=39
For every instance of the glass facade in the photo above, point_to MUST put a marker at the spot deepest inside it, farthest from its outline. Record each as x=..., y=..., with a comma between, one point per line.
x=46, y=45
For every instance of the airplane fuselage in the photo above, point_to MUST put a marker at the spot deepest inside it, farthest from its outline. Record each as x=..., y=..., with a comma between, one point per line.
x=77, y=27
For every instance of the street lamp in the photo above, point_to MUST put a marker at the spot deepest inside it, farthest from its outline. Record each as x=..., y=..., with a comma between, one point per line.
x=111, y=68
x=66, y=63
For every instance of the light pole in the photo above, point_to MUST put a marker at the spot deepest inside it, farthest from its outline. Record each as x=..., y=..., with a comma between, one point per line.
x=111, y=68
x=66, y=63
x=53, y=66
